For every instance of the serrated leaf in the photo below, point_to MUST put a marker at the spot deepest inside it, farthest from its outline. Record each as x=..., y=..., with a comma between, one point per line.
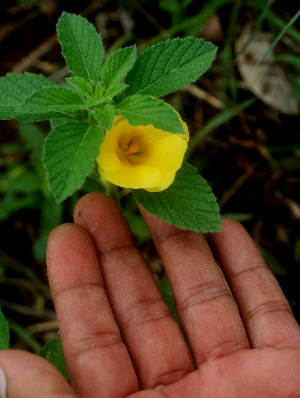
x=57, y=122
x=82, y=46
x=118, y=65
x=115, y=90
x=142, y=110
x=4, y=332
x=188, y=203
x=49, y=103
x=15, y=88
x=82, y=85
x=52, y=351
x=105, y=117
x=70, y=152
x=169, y=66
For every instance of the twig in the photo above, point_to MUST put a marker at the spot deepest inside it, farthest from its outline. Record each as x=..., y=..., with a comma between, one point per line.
x=9, y=27
x=204, y=95
x=37, y=53
x=236, y=185
x=43, y=327
x=147, y=15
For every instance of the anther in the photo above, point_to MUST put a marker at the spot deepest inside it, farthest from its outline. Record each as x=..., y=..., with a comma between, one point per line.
x=130, y=150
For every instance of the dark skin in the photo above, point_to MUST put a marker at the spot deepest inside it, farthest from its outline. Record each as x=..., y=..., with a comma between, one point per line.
x=118, y=337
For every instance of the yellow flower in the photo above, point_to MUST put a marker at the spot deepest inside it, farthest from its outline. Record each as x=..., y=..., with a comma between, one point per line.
x=141, y=156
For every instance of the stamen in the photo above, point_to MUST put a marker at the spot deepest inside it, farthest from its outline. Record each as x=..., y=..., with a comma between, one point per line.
x=130, y=150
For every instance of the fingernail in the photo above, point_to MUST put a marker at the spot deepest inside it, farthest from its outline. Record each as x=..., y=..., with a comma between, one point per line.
x=2, y=384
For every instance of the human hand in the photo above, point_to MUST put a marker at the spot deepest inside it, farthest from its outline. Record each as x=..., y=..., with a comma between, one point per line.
x=118, y=336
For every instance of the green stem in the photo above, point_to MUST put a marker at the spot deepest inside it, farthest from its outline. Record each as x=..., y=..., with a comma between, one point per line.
x=113, y=192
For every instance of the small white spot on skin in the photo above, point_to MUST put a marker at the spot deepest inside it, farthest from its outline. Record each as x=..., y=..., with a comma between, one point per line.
x=93, y=229
x=2, y=384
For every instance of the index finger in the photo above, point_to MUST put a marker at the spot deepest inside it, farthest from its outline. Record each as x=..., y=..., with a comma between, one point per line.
x=95, y=354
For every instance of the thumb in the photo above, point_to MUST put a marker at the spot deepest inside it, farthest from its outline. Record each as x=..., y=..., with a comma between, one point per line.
x=25, y=375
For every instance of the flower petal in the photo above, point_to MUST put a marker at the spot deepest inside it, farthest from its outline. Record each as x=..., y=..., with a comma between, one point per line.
x=109, y=161
x=133, y=176
x=166, y=153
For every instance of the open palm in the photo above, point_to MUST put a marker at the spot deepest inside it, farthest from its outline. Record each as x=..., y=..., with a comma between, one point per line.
x=118, y=336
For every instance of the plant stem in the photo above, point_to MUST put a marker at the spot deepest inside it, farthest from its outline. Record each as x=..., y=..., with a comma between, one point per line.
x=113, y=192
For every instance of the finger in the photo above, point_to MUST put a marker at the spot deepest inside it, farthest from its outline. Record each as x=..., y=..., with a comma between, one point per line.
x=265, y=310
x=153, y=338
x=96, y=357
x=30, y=376
x=206, y=310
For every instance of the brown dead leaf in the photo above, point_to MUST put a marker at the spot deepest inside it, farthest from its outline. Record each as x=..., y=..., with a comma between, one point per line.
x=266, y=80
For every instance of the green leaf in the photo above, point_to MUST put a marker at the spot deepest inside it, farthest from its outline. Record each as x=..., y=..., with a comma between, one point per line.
x=118, y=65
x=82, y=46
x=82, y=85
x=51, y=215
x=188, y=203
x=105, y=117
x=70, y=152
x=115, y=90
x=170, y=65
x=50, y=103
x=99, y=90
x=166, y=291
x=15, y=88
x=142, y=110
x=52, y=351
x=4, y=332
x=33, y=135
x=57, y=122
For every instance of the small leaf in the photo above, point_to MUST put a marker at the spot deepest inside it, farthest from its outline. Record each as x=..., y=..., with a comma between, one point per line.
x=105, y=117
x=99, y=90
x=70, y=152
x=4, y=332
x=82, y=46
x=118, y=65
x=115, y=90
x=188, y=203
x=82, y=85
x=142, y=110
x=50, y=103
x=15, y=88
x=170, y=65
x=52, y=351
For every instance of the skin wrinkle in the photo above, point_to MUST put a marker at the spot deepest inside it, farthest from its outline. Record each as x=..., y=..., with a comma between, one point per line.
x=144, y=306
x=203, y=293
x=80, y=286
x=92, y=343
x=175, y=374
x=232, y=274
x=223, y=348
x=83, y=336
x=265, y=308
